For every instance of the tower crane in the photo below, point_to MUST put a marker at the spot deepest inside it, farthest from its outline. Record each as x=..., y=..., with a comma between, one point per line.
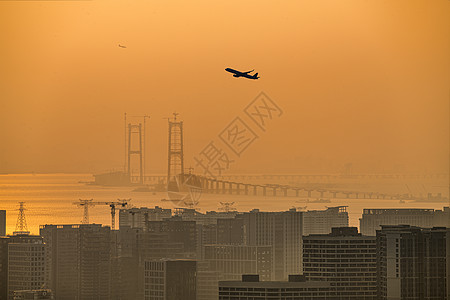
x=86, y=203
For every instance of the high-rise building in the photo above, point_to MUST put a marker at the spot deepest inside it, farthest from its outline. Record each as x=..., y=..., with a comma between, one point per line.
x=206, y=235
x=281, y=230
x=297, y=287
x=78, y=260
x=372, y=219
x=321, y=221
x=442, y=217
x=207, y=281
x=26, y=263
x=170, y=280
x=231, y=231
x=413, y=263
x=177, y=231
x=229, y=262
x=344, y=258
x=2, y=222
x=168, y=239
x=4, y=267
x=206, y=224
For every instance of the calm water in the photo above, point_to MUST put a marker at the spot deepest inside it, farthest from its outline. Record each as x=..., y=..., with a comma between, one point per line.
x=49, y=200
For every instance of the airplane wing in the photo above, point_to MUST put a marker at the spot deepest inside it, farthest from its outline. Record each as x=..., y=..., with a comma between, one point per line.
x=248, y=71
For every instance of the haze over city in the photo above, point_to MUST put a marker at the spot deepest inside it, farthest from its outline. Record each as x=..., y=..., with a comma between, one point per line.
x=224, y=150
x=359, y=82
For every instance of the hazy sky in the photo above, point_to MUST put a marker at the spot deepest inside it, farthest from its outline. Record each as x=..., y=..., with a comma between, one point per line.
x=361, y=82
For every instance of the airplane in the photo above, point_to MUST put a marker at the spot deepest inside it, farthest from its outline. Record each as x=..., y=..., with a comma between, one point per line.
x=242, y=74
x=121, y=46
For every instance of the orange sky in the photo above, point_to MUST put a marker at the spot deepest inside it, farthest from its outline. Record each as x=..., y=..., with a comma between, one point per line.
x=365, y=82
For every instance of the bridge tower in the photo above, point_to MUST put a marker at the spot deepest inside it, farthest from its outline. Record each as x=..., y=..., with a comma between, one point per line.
x=176, y=157
x=135, y=130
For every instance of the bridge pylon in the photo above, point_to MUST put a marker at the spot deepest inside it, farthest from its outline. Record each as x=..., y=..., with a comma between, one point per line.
x=133, y=130
x=175, y=165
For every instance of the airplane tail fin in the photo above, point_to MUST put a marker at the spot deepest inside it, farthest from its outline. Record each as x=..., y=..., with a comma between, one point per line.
x=256, y=76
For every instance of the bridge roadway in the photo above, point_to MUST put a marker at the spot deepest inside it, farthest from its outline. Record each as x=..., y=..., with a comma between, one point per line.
x=162, y=178
x=224, y=185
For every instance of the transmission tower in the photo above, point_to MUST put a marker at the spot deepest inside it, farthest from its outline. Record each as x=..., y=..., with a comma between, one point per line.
x=175, y=157
x=21, y=225
x=85, y=203
x=227, y=207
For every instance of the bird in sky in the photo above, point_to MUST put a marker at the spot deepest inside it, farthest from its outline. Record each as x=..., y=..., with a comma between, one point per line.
x=121, y=46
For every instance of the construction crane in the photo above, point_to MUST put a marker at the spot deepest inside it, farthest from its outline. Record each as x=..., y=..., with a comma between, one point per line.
x=119, y=202
x=86, y=203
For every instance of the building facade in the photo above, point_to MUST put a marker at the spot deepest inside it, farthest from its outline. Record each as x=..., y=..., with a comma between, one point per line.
x=250, y=288
x=229, y=262
x=344, y=258
x=78, y=261
x=413, y=263
x=281, y=230
x=26, y=263
x=177, y=230
x=2, y=222
x=372, y=219
x=170, y=280
x=321, y=221
x=4, y=267
x=231, y=231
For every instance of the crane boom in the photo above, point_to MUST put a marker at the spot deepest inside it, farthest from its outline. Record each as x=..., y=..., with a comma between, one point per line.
x=86, y=203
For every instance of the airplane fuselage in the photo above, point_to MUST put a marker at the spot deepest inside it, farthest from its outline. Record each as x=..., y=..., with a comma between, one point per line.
x=242, y=74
